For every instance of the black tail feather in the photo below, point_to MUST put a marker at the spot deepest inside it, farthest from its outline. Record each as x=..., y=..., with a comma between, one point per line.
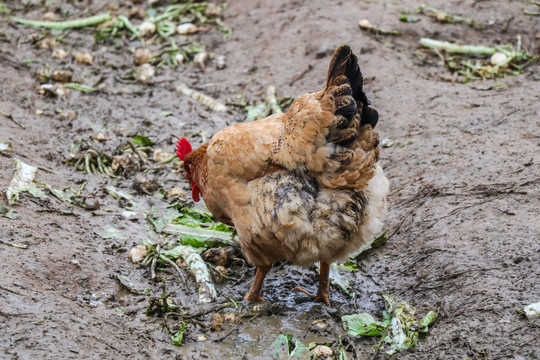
x=345, y=63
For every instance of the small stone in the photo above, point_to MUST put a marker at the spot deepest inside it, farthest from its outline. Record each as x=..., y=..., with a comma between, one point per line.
x=62, y=76
x=176, y=192
x=99, y=137
x=50, y=16
x=145, y=185
x=322, y=352
x=47, y=43
x=319, y=326
x=68, y=115
x=161, y=155
x=231, y=317
x=137, y=254
x=217, y=321
x=142, y=56
x=59, y=54
x=84, y=57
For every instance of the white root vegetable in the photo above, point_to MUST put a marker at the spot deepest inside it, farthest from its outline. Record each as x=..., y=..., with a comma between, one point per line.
x=195, y=263
x=206, y=100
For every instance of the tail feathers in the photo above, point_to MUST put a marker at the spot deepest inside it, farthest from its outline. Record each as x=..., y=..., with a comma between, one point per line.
x=345, y=82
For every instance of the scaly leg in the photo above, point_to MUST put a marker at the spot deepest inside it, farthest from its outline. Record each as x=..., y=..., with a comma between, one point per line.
x=323, y=294
x=254, y=293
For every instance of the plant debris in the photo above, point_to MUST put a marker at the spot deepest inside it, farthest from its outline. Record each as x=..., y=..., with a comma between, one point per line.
x=285, y=348
x=399, y=327
x=63, y=25
x=271, y=105
x=480, y=62
x=366, y=25
x=443, y=17
x=195, y=263
x=205, y=99
x=23, y=181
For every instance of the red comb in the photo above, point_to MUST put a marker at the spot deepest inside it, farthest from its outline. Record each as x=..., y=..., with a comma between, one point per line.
x=183, y=148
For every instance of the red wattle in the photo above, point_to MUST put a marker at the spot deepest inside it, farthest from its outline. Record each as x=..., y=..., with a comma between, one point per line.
x=195, y=192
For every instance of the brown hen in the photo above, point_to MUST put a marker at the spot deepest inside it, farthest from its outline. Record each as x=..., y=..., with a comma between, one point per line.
x=303, y=186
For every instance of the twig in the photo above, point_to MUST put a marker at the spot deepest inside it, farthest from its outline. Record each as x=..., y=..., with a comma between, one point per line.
x=224, y=336
x=176, y=267
x=18, y=246
x=10, y=117
x=132, y=146
x=62, y=25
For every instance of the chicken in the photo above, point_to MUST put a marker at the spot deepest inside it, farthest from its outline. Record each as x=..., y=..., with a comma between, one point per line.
x=303, y=186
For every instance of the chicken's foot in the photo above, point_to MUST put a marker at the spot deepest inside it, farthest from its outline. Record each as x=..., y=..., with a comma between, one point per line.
x=323, y=293
x=254, y=293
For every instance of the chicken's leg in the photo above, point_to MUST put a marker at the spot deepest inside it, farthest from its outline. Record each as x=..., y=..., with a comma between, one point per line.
x=323, y=294
x=254, y=293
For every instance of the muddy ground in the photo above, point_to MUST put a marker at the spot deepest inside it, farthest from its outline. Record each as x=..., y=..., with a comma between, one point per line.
x=463, y=208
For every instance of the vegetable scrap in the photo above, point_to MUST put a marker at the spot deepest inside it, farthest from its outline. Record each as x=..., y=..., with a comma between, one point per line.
x=398, y=329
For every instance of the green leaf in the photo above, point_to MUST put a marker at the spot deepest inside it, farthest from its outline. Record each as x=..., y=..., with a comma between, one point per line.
x=300, y=352
x=428, y=320
x=409, y=19
x=141, y=140
x=284, y=348
x=363, y=324
x=178, y=337
x=280, y=346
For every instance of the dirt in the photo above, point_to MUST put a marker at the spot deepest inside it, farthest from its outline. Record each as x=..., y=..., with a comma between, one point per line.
x=463, y=208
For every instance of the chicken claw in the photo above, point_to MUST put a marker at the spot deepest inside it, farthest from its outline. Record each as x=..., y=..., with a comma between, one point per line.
x=324, y=284
x=324, y=297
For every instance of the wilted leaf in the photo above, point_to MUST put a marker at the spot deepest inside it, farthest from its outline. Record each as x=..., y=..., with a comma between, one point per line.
x=179, y=336
x=399, y=328
x=8, y=213
x=363, y=324
x=284, y=348
x=23, y=181
x=280, y=346
x=339, y=280
x=427, y=320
